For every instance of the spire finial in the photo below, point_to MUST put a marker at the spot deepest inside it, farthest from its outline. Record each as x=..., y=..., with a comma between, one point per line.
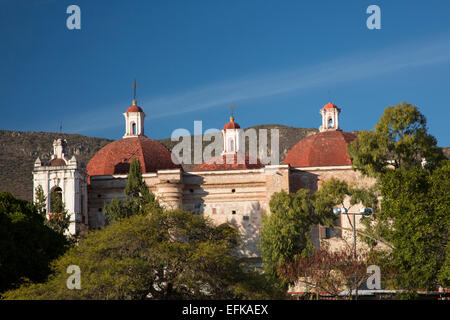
x=232, y=107
x=134, y=88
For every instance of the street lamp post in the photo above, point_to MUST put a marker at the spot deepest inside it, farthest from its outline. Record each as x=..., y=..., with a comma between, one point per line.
x=363, y=212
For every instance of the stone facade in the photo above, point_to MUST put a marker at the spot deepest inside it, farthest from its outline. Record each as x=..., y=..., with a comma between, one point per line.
x=237, y=197
x=237, y=193
x=69, y=179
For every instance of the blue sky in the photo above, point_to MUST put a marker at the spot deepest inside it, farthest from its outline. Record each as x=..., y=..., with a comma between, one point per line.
x=276, y=60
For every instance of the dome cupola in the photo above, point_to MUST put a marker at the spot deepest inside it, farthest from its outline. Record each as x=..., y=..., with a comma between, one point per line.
x=115, y=157
x=330, y=117
x=134, y=119
x=233, y=156
x=328, y=147
x=233, y=138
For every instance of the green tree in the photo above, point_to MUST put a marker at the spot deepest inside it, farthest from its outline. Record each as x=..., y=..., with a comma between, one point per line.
x=59, y=218
x=444, y=273
x=135, y=184
x=26, y=245
x=138, y=198
x=413, y=216
x=161, y=255
x=415, y=219
x=41, y=202
x=400, y=139
x=285, y=232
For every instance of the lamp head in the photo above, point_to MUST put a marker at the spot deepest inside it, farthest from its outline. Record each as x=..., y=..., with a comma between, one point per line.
x=338, y=211
x=366, y=211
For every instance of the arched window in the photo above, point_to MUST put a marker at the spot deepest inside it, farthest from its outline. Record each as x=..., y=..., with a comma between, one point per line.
x=330, y=123
x=56, y=202
x=133, y=128
x=232, y=145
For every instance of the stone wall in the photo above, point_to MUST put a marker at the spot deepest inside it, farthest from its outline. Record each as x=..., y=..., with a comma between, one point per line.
x=237, y=197
x=101, y=190
x=312, y=178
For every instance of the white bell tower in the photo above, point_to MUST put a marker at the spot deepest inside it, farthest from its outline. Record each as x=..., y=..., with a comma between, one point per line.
x=233, y=138
x=67, y=179
x=134, y=119
x=330, y=117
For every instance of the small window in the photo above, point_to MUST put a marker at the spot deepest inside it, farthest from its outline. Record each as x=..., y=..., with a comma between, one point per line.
x=99, y=209
x=246, y=218
x=214, y=210
x=233, y=190
x=133, y=126
x=233, y=212
x=330, y=123
x=334, y=232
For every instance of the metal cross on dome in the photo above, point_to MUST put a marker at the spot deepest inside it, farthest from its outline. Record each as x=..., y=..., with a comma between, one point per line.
x=232, y=107
x=134, y=87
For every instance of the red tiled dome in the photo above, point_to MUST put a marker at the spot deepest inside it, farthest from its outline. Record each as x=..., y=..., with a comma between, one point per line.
x=134, y=108
x=328, y=148
x=230, y=162
x=231, y=125
x=329, y=105
x=57, y=162
x=115, y=158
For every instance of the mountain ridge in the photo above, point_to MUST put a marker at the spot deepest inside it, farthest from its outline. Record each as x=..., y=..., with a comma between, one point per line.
x=20, y=149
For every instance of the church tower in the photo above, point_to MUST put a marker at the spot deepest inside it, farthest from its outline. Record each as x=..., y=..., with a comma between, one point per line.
x=330, y=117
x=64, y=179
x=134, y=119
x=233, y=138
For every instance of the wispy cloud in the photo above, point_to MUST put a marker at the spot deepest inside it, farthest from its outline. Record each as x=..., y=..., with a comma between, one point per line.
x=353, y=67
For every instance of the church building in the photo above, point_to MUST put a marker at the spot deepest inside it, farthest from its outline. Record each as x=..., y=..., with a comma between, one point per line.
x=236, y=192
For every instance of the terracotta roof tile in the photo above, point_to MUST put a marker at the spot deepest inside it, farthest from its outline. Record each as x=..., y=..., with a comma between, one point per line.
x=231, y=125
x=134, y=108
x=328, y=148
x=329, y=105
x=115, y=158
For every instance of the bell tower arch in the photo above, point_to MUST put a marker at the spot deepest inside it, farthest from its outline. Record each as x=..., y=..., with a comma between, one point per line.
x=330, y=117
